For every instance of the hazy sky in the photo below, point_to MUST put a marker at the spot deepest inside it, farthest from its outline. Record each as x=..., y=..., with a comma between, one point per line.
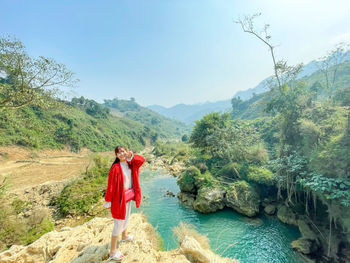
x=168, y=52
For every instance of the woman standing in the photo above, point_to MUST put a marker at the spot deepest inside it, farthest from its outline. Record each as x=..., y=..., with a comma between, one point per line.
x=123, y=175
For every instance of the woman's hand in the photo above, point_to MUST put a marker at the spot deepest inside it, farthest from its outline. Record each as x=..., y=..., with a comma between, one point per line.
x=107, y=205
x=129, y=154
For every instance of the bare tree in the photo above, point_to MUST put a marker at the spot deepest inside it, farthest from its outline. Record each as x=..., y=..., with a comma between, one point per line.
x=329, y=64
x=282, y=72
x=25, y=80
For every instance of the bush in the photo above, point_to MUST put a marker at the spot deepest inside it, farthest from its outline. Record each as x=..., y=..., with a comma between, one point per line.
x=80, y=196
x=204, y=179
x=260, y=175
x=46, y=225
x=230, y=170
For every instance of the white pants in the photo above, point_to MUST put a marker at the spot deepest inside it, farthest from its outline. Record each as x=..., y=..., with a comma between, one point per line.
x=119, y=224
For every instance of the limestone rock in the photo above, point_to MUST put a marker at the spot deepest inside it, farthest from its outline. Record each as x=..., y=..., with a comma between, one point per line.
x=186, y=198
x=304, y=245
x=186, y=180
x=209, y=200
x=243, y=198
x=89, y=243
x=306, y=230
x=270, y=209
x=287, y=216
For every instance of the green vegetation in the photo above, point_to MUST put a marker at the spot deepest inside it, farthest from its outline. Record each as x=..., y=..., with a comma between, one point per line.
x=291, y=144
x=20, y=230
x=260, y=175
x=81, y=195
x=29, y=81
x=161, y=126
x=35, y=127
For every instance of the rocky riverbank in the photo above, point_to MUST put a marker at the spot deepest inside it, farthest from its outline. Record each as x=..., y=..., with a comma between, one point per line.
x=90, y=243
x=206, y=194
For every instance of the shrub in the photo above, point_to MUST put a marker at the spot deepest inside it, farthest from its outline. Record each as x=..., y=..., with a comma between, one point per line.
x=230, y=170
x=204, y=179
x=80, y=196
x=260, y=175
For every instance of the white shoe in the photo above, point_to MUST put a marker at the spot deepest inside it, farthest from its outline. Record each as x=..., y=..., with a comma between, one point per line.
x=118, y=256
x=128, y=238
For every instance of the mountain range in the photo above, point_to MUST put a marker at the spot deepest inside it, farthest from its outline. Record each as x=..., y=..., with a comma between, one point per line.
x=189, y=113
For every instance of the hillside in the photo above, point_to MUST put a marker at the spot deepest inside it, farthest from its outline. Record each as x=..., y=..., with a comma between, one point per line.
x=85, y=125
x=165, y=127
x=254, y=107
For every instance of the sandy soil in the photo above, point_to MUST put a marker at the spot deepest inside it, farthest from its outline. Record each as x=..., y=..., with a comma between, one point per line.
x=25, y=168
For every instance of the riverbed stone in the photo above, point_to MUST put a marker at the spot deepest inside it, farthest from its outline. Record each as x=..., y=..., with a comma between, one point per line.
x=287, y=216
x=209, y=199
x=270, y=209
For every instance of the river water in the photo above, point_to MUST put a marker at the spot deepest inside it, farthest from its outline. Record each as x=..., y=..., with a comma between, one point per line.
x=264, y=239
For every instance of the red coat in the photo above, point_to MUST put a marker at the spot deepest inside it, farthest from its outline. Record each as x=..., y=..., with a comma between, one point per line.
x=115, y=189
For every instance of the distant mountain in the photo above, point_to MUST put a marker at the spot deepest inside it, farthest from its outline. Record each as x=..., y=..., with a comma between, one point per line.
x=164, y=127
x=189, y=113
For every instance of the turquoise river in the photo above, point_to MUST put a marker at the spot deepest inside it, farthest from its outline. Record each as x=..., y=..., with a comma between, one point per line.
x=260, y=240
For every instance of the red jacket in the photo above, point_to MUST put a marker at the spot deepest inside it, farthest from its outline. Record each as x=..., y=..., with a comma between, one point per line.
x=115, y=189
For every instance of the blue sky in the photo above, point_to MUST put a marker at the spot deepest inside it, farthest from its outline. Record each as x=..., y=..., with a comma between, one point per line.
x=168, y=52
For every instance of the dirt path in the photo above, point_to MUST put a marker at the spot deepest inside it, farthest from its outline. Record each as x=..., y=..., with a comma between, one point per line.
x=25, y=168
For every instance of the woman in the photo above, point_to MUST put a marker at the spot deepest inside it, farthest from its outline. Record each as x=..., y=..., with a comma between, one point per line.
x=123, y=175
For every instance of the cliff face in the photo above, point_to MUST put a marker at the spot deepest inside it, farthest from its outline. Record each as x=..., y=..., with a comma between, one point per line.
x=90, y=243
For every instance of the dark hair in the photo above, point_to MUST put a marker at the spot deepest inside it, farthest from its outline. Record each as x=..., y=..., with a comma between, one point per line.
x=116, y=150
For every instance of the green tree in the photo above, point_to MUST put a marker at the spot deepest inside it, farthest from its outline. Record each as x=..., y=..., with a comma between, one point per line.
x=206, y=127
x=29, y=80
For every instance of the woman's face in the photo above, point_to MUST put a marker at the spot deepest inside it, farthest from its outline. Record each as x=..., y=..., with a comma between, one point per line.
x=122, y=154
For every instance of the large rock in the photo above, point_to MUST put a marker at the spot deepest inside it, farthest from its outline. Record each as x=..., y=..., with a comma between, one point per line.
x=89, y=243
x=287, y=216
x=243, y=198
x=270, y=209
x=209, y=199
x=306, y=230
x=186, y=180
x=186, y=198
x=304, y=245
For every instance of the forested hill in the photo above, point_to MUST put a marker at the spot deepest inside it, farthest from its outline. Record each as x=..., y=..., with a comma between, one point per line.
x=82, y=123
x=315, y=83
x=164, y=126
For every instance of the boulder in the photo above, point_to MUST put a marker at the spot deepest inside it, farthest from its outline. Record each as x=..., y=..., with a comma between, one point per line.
x=89, y=243
x=186, y=180
x=186, y=198
x=306, y=230
x=243, y=198
x=209, y=199
x=287, y=216
x=270, y=209
x=304, y=245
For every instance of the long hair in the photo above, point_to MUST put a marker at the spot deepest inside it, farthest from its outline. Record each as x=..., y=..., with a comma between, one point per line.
x=116, y=150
